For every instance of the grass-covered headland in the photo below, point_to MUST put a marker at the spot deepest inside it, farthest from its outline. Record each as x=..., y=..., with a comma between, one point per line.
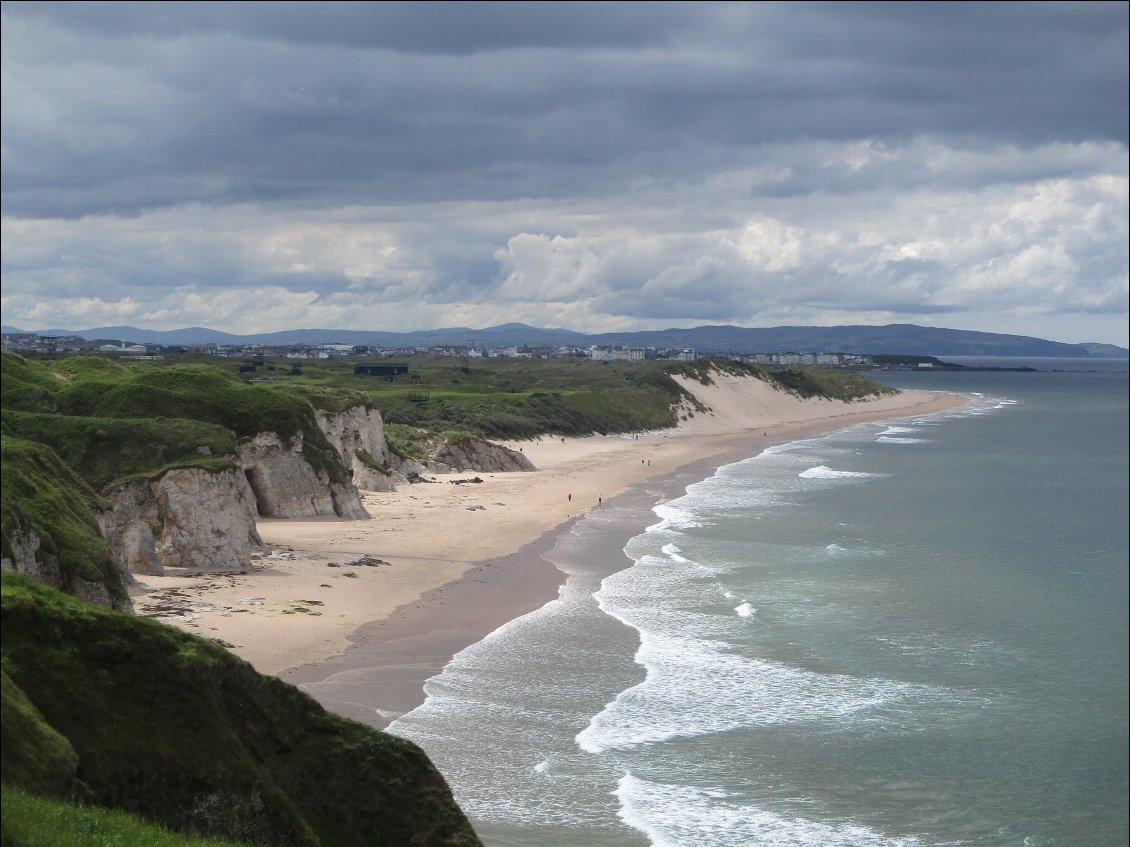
x=126, y=713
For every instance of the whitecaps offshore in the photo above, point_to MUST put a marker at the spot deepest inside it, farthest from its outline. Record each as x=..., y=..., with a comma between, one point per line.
x=689, y=654
x=683, y=674
x=680, y=815
x=825, y=472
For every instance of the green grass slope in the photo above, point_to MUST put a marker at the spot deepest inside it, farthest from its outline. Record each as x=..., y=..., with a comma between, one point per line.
x=35, y=821
x=167, y=397
x=174, y=728
x=35, y=755
x=831, y=383
x=105, y=451
x=525, y=398
x=39, y=493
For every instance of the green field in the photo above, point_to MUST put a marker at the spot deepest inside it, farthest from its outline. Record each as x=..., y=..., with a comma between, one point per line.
x=515, y=398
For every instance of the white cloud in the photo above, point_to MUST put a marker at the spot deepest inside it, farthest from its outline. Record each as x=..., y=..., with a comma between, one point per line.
x=683, y=253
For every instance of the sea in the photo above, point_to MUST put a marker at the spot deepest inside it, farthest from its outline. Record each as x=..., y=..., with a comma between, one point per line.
x=907, y=633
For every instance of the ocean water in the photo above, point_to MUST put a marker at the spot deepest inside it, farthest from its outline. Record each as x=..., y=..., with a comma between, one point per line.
x=903, y=633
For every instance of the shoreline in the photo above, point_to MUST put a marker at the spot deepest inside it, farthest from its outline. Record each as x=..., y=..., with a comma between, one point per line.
x=439, y=566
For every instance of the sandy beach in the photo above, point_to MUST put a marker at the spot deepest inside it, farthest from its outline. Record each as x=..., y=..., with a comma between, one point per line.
x=439, y=565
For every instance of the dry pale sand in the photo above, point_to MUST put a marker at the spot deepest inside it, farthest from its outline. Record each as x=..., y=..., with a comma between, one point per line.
x=317, y=580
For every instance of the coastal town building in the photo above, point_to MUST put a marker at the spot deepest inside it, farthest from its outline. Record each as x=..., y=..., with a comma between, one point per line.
x=67, y=345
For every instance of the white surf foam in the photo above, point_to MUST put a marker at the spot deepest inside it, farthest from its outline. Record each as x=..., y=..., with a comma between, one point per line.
x=897, y=430
x=684, y=673
x=673, y=517
x=745, y=610
x=891, y=439
x=681, y=815
x=825, y=472
x=673, y=552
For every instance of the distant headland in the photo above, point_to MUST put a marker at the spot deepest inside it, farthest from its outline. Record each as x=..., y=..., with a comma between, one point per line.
x=891, y=339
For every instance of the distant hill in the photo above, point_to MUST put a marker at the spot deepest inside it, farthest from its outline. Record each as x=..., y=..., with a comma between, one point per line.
x=906, y=339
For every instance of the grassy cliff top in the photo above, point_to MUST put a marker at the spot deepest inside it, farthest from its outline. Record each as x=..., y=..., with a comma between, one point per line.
x=176, y=729
x=496, y=398
x=105, y=451
x=109, y=420
x=94, y=387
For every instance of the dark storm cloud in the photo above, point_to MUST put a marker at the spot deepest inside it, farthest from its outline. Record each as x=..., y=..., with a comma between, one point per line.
x=450, y=27
x=124, y=107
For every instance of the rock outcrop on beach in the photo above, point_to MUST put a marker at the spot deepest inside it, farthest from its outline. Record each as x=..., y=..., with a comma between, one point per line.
x=476, y=454
x=358, y=435
x=185, y=518
x=175, y=729
x=204, y=517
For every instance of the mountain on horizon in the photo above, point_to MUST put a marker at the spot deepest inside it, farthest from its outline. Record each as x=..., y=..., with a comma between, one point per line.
x=904, y=339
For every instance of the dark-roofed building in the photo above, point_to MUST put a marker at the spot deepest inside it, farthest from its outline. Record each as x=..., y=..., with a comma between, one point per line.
x=380, y=370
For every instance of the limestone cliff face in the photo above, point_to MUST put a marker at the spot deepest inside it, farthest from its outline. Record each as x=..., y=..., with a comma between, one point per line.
x=129, y=527
x=208, y=519
x=186, y=518
x=360, y=429
x=285, y=485
x=32, y=559
x=475, y=454
x=205, y=519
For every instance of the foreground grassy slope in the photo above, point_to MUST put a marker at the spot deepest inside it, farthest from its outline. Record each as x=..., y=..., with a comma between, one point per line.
x=174, y=728
x=35, y=821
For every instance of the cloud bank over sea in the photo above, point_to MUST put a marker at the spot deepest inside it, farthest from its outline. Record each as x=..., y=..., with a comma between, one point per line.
x=255, y=167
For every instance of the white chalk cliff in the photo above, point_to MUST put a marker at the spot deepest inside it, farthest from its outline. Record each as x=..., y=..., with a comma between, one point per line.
x=204, y=519
x=359, y=434
x=287, y=486
x=184, y=518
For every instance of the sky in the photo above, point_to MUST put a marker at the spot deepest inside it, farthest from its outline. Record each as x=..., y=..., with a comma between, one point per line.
x=595, y=166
